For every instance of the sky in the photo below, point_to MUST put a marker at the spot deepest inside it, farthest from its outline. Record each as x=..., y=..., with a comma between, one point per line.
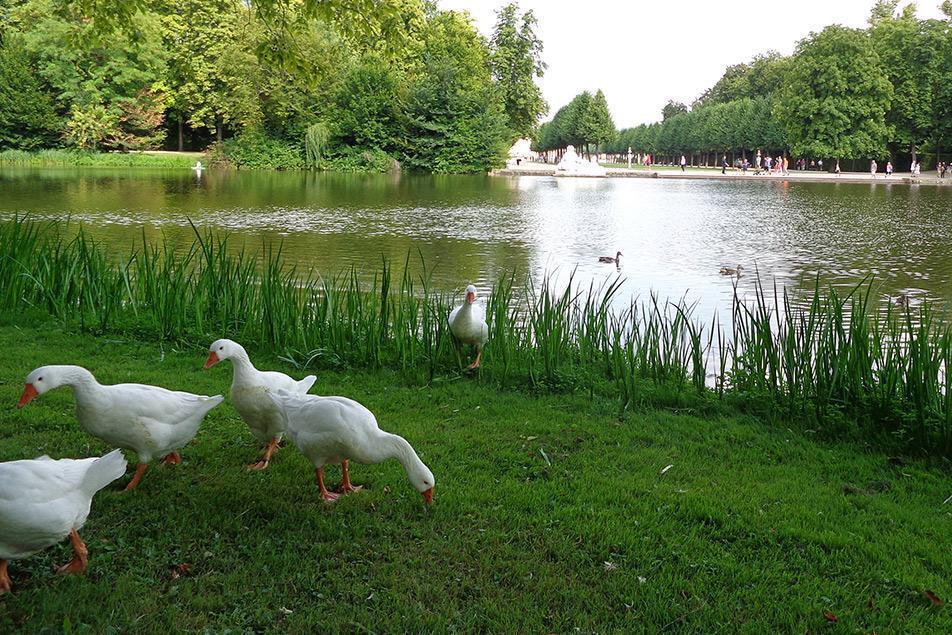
x=644, y=53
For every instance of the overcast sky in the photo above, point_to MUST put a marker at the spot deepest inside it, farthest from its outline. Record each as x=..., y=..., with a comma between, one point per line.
x=644, y=53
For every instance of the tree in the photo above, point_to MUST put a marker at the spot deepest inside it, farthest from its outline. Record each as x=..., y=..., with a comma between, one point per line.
x=907, y=50
x=595, y=122
x=516, y=61
x=671, y=109
x=835, y=96
x=27, y=118
x=368, y=109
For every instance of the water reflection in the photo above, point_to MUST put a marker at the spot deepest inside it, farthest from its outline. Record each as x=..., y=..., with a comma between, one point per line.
x=676, y=235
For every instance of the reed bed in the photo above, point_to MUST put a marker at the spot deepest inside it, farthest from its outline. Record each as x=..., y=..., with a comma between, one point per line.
x=830, y=362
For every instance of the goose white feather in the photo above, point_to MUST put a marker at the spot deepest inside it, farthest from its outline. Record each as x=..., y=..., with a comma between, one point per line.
x=468, y=324
x=149, y=420
x=336, y=429
x=42, y=501
x=249, y=394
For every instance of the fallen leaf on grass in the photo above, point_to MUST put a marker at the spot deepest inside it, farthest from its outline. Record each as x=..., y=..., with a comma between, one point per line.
x=545, y=456
x=180, y=570
x=935, y=599
x=829, y=617
x=285, y=610
x=609, y=566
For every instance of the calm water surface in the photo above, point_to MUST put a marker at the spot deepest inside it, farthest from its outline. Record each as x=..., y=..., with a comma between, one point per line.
x=675, y=235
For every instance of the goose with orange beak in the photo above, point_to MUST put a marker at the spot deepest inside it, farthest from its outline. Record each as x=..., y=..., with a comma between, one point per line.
x=249, y=395
x=468, y=325
x=334, y=429
x=151, y=421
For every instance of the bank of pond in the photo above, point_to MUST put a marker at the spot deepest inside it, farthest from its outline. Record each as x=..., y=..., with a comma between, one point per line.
x=839, y=364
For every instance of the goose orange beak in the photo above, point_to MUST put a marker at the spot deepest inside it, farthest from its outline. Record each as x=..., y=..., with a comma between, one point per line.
x=428, y=496
x=29, y=393
x=212, y=360
x=470, y=297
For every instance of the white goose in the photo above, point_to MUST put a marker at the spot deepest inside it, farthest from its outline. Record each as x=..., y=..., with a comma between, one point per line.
x=249, y=388
x=468, y=325
x=151, y=421
x=42, y=501
x=335, y=429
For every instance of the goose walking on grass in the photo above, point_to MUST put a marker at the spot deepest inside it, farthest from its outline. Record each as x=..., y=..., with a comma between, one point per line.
x=732, y=271
x=337, y=429
x=249, y=394
x=42, y=501
x=608, y=259
x=468, y=325
x=150, y=421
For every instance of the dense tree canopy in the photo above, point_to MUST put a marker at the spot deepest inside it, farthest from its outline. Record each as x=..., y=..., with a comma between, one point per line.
x=583, y=122
x=516, y=62
x=346, y=84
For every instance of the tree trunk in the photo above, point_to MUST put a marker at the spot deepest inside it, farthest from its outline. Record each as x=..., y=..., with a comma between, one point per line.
x=181, y=135
x=218, y=130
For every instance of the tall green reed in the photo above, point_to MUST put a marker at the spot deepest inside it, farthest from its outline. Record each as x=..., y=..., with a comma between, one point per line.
x=832, y=362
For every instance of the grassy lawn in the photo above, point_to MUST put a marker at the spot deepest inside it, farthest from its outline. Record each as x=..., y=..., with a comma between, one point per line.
x=550, y=514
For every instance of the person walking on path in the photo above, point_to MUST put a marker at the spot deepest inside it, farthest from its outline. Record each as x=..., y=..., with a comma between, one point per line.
x=724, y=164
x=916, y=168
x=837, y=168
x=889, y=169
x=872, y=168
x=786, y=165
x=683, y=162
x=941, y=169
x=819, y=165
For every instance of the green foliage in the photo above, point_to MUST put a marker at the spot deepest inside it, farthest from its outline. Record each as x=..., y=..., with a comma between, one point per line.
x=77, y=158
x=315, y=144
x=583, y=121
x=821, y=359
x=456, y=121
x=671, y=109
x=835, y=97
x=516, y=62
x=90, y=127
x=27, y=117
x=252, y=149
x=369, y=107
x=346, y=159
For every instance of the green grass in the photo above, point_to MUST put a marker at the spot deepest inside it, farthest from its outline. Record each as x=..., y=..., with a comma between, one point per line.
x=754, y=529
x=77, y=158
x=829, y=362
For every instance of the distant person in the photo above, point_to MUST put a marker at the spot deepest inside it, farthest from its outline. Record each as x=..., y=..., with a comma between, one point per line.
x=941, y=169
x=889, y=169
x=683, y=162
x=836, y=169
x=872, y=168
x=724, y=164
x=812, y=164
x=757, y=161
x=744, y=165
x=786, y=165
x=819, y=165
x=916, y=168
x=767, y=162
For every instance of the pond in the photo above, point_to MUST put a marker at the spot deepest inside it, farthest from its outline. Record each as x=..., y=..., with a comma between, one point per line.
x=675, y=235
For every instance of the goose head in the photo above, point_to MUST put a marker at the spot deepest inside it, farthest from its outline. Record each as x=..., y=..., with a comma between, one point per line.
x=221, y=350
x=422, y=479
x=41, y=380
x=470, y=294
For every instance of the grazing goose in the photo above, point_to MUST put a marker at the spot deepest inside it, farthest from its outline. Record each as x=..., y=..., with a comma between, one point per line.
x=150, y=421
x=249, y=388
x=336, y=429
x=732, y=271
x=468, y=325
x=42, y=501
x=615, y=261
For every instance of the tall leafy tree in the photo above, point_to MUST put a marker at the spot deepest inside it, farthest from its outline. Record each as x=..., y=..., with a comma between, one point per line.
x=27, y=117
x=907, y=49
x=516, y=62
x=672, y=109
x=836, y=96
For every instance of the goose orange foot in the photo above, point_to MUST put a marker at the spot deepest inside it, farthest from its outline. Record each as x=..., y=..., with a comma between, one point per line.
x=273, y=446
x=140, y=470
x=80, y=556
x=329, y=497
x=5, y=583
x=346, y=487
x=172, y=458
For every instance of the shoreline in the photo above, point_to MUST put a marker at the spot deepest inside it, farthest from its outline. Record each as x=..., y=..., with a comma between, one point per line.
x=547, y=169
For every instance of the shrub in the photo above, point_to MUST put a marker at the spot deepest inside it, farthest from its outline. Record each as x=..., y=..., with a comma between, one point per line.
x=255, y=150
